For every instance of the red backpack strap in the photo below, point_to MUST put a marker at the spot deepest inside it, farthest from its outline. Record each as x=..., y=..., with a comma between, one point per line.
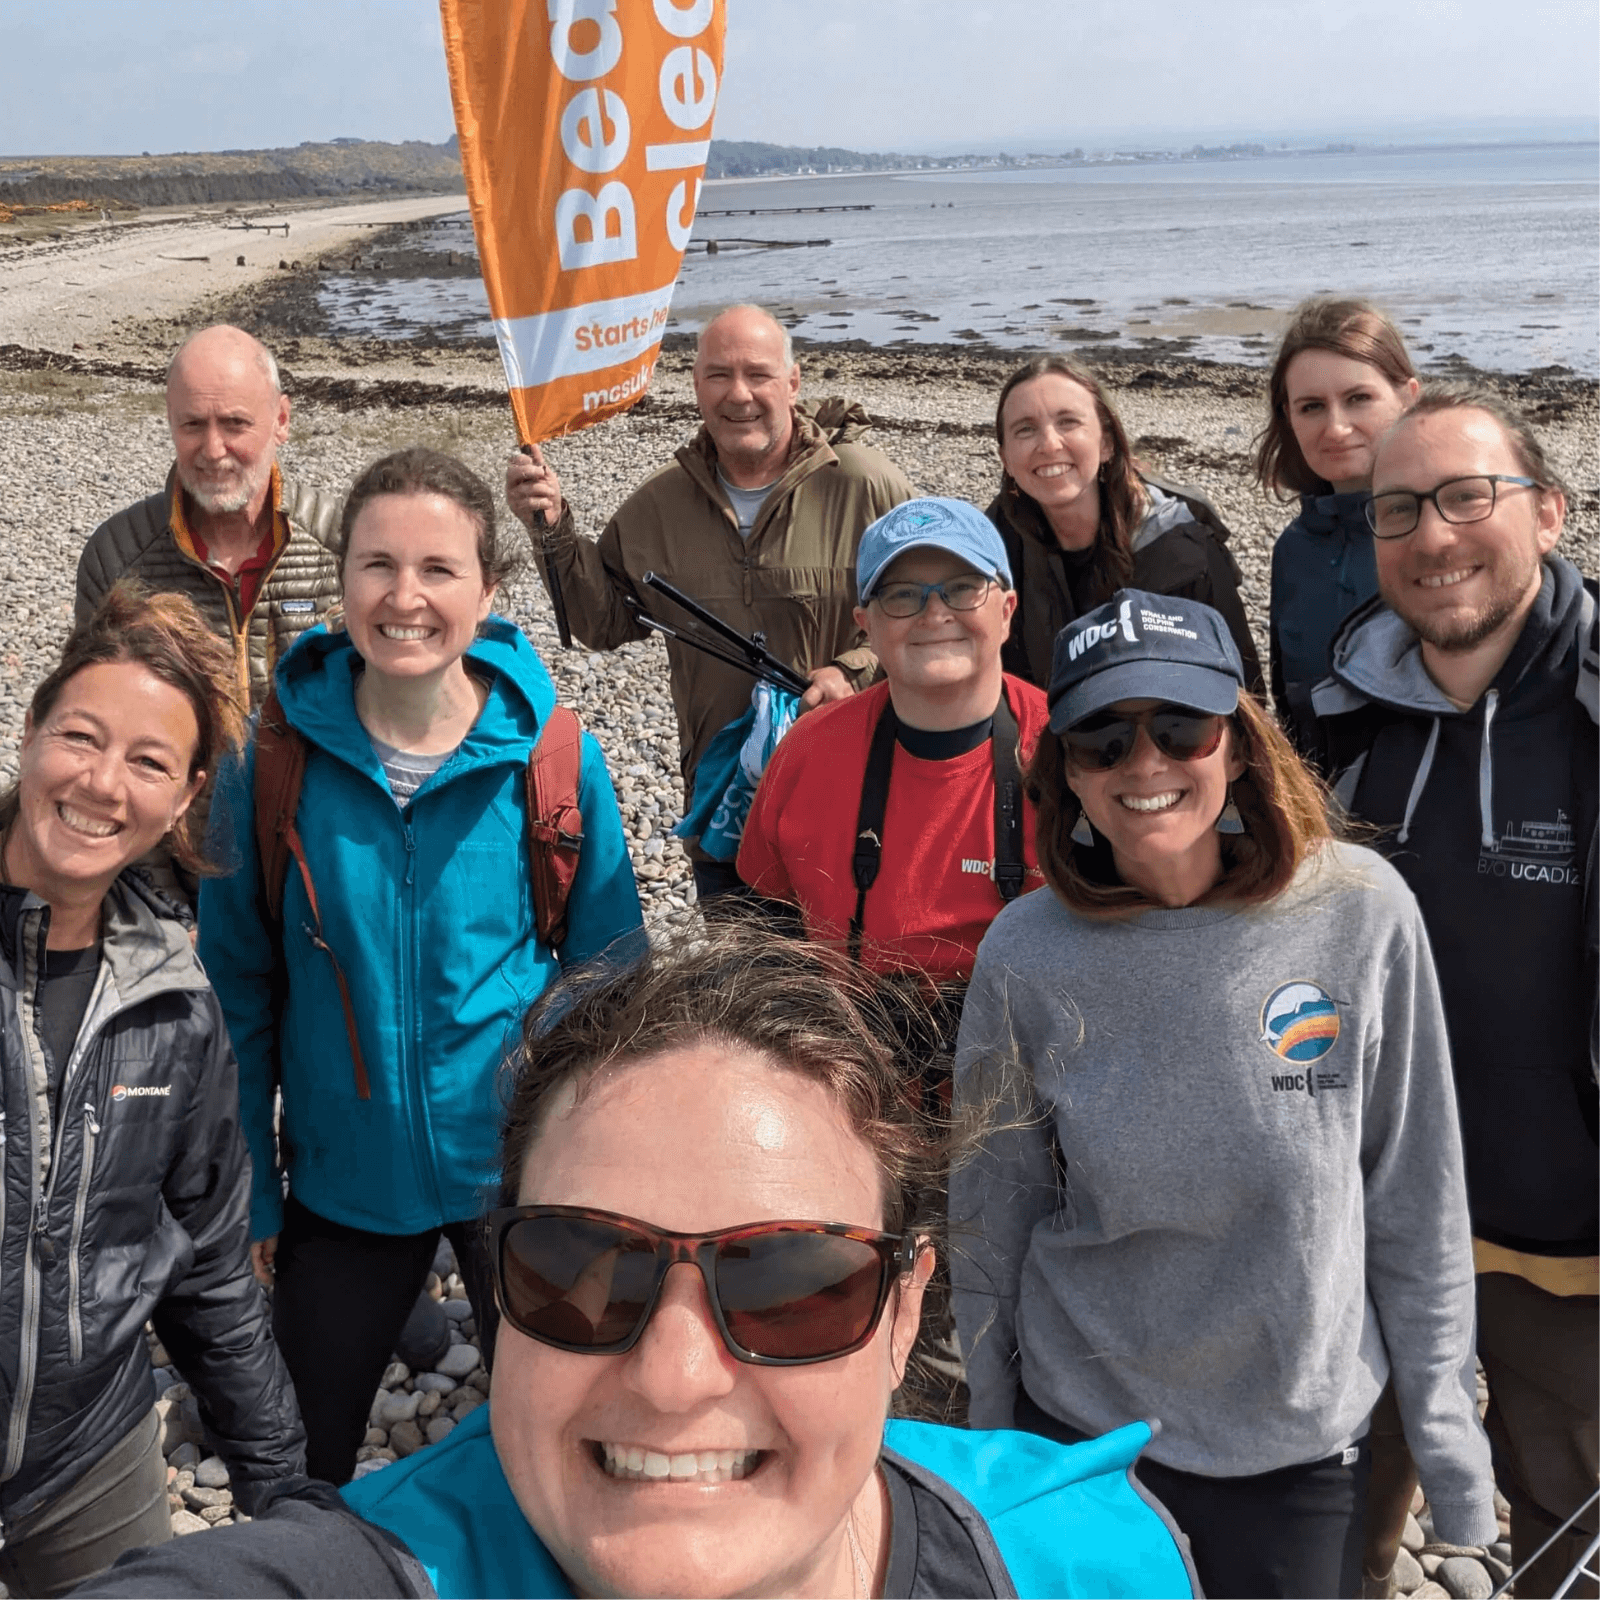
x=280, y=771
x=555, y=824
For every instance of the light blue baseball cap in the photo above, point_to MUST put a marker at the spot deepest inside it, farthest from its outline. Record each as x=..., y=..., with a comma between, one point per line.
x=936, y=524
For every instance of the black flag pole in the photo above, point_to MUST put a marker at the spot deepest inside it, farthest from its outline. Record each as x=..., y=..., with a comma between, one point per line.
x=552, y=578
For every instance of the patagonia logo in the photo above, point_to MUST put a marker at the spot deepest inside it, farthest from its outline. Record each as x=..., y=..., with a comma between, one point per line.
x=1099, y=632
x=297, y=608
x=140, y=1091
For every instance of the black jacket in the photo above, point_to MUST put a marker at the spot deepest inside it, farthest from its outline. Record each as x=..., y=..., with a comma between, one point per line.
x=133, y=1206
x=1490, y=816
x=1180, y=548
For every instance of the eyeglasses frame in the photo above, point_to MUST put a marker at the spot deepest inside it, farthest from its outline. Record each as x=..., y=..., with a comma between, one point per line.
x=930, y=589
x=897, y=1256
x=1493, y=479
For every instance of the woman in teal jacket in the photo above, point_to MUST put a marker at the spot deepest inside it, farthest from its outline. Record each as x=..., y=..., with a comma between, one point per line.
x=419, y=720
x=703, y=1411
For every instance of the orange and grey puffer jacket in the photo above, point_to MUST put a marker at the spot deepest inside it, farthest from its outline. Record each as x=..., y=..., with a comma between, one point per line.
x=300, y=589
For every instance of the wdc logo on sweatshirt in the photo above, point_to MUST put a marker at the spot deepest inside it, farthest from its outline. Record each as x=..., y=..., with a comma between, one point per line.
x=1300, y=1025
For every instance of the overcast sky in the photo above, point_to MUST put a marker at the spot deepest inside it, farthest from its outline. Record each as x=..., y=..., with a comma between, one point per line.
x=122, y=76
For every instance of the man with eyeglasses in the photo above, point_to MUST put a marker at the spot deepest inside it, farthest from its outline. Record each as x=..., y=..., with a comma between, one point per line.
x=895, y=821
x=1461, y=717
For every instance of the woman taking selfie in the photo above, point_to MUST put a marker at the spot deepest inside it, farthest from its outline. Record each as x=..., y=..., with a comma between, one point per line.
x=710, y=1258
x=1226, y=1190
x=383, y=995
x=123, y=1178
x=1341, y=377
x=1080, y=520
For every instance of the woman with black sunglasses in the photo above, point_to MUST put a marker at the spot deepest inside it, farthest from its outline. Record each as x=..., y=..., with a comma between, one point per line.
x=1226, y=1190
x=710, y=1259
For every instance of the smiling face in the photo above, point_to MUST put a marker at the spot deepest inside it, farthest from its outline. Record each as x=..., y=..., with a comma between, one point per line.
x=746, y=393
x=1457, y=584
x=103, y=776
x=227, y=420
x=1159, y=814
x=1339, y=408
x=1053, y=445
x=939, y=653
x=414, y=591
x=697, y=1140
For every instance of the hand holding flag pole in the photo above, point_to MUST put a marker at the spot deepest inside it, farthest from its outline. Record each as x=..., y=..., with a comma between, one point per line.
x=552, y=578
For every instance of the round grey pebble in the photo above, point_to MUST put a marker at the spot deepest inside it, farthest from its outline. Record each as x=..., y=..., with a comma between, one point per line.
x=1465, y=1578
x=458, y=1360
x=1408, y=1573
x=434, y=1383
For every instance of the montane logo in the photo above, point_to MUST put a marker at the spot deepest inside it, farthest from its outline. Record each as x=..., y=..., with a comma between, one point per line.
x=139, y=1091
x=1101, y=631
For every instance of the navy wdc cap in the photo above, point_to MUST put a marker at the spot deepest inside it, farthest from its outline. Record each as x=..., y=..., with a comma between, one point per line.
x=1142, y=646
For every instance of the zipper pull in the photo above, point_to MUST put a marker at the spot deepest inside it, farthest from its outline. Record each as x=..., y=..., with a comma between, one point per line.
x=41, y=1236
x=89, y=1117
x=411, y=853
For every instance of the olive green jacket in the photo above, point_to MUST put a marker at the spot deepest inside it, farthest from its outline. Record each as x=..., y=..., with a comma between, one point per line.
x=794, y=578
x=300, y=588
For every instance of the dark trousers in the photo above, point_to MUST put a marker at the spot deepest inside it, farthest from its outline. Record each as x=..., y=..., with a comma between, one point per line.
x=713, y=880
x=119, y=1504
x=342, y=1297
x=1541, y=1353
x=1296, y=1531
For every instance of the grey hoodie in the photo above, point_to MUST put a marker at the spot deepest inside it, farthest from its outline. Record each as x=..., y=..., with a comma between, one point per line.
x=1224, y=1190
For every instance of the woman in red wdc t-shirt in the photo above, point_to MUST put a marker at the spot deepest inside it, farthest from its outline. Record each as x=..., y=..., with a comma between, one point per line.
x=949, y=727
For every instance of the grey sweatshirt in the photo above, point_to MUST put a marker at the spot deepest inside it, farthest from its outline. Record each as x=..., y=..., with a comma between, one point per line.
x=1257, y=1207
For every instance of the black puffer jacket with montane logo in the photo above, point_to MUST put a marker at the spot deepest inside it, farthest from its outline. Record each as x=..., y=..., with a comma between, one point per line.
x=131, y=1203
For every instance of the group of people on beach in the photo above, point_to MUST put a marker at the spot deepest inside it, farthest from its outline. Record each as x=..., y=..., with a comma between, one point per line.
x=1183, y=1071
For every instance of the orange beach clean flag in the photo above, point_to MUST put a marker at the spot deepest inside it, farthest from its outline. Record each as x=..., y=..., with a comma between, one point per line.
x=584, y=128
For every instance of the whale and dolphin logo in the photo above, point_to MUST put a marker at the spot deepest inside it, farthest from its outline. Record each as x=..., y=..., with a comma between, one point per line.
x=1300, y=1022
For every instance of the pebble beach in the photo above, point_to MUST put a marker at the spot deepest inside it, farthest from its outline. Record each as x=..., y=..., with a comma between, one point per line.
x=83, y=433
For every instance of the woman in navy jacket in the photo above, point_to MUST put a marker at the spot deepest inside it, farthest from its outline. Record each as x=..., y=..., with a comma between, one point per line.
x=1341, y=377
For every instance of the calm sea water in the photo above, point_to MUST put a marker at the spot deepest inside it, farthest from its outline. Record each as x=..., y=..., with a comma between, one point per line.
x=1490, y=256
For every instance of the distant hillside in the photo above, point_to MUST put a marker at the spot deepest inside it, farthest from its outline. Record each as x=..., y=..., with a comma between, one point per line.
x=748, y=158
x=338, y=167
x=343, y=167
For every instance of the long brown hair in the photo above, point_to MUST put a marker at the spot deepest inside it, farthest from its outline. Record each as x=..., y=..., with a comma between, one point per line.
x=1281, y=802
x=1353, y=328
x=165, y=634
x=1122, y=495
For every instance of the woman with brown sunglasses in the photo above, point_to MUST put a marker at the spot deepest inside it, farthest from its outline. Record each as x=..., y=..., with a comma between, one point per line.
x=1226, y=1186
x=710, y=1258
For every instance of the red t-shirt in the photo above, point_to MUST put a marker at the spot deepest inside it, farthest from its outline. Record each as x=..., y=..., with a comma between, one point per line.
x=935, y=894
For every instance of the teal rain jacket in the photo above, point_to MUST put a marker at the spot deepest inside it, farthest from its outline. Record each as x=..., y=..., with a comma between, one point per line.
x=430, y=911
x=1061, y=1519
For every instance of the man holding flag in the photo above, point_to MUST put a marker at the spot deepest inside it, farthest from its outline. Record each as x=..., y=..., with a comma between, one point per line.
x=757, y=517
x=585, y=127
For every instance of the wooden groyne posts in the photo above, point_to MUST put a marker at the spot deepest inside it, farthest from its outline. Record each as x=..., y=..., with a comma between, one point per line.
x=779, y=211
